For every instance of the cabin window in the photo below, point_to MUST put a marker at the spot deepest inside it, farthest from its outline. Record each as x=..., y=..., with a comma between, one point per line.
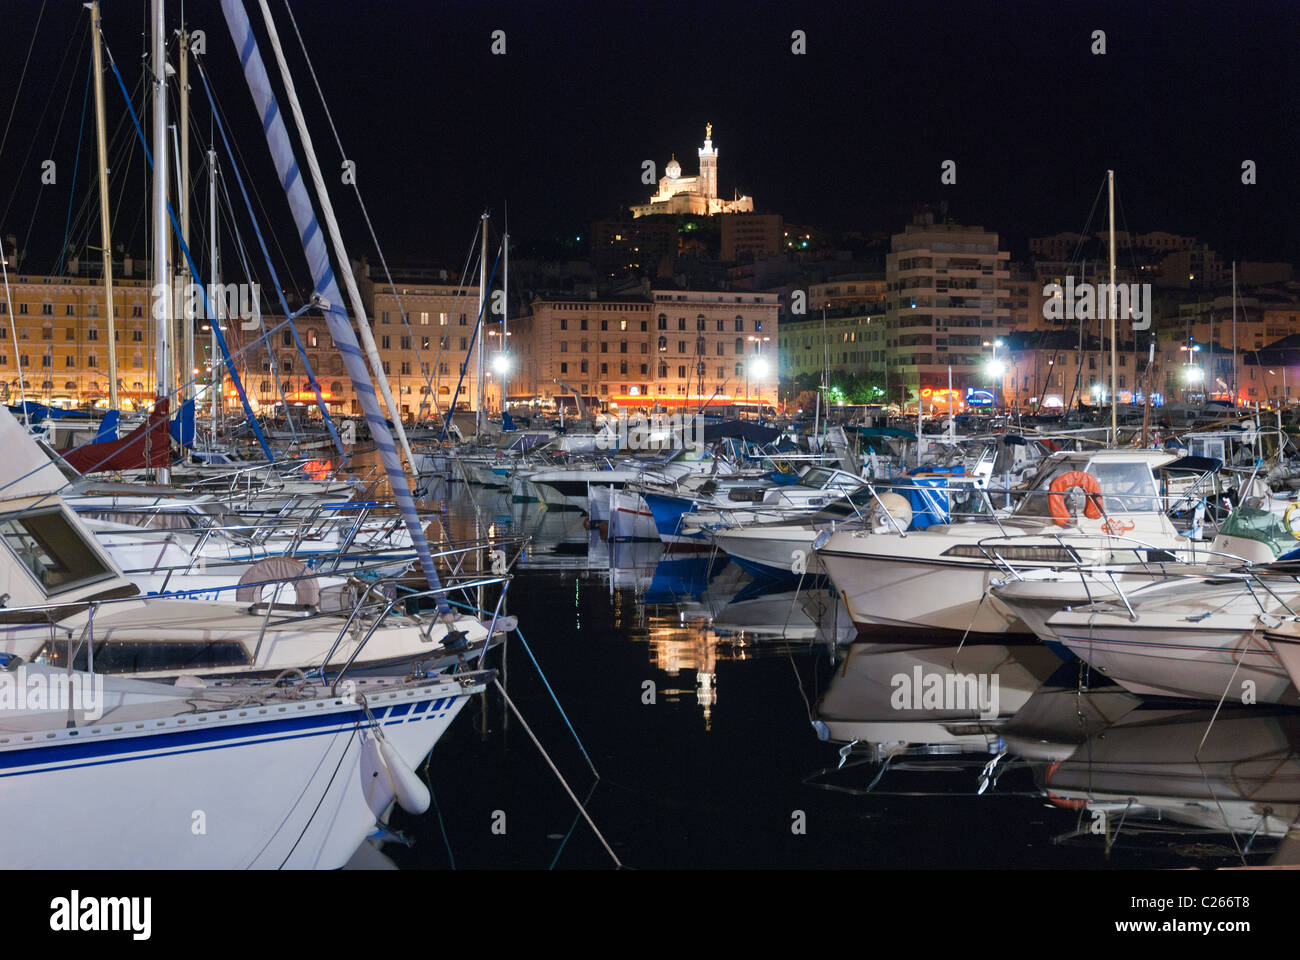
x=52, y=550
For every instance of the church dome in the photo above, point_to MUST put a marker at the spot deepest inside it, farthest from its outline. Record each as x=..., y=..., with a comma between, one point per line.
x=674, y=169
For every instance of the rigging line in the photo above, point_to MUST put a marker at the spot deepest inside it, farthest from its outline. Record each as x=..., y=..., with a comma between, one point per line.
x=234, y=151
x=445, y=338
x=76, y=165
x=464, y=369
x=266, y=255
x=185, y=250
x=57, y=131
x=22, y=78
x=356, y=188
x=567, y=789
x=265, y=338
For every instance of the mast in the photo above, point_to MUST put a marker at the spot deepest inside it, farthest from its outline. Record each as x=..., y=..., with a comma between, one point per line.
x=1234, y=333
x=482, y=333
x=1114, y=396
x=105, y=222
x=505, y=323
x=216, y=377
x=161, y=273
x=184, y=135
x=336, y=238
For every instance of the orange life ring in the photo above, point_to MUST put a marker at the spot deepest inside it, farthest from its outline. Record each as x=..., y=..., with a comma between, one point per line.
x=1085, y=482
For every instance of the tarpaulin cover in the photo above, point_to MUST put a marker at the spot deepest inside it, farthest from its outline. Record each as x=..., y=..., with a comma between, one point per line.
x=148, y=445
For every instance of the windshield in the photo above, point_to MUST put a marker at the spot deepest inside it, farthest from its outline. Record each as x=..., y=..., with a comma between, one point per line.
x=1127, y=486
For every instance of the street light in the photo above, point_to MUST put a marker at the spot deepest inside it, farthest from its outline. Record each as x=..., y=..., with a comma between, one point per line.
x=756, y=367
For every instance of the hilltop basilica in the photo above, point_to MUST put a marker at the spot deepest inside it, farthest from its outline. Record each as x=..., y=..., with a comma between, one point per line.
x=697, y=195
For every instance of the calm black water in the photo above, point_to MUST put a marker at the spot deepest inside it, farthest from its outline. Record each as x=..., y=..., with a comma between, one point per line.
x=725, y=765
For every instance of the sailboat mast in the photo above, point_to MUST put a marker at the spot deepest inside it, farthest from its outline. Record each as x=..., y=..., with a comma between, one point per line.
x=216, y=377
x=505, y=322
x=343, y=262
x=105, y=222
x=482, y=332
x=161, y=273
x=1234, y=333
x=184, y=136
x=1114, y=395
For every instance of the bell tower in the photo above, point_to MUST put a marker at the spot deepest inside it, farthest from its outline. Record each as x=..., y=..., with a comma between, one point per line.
x=708, y=182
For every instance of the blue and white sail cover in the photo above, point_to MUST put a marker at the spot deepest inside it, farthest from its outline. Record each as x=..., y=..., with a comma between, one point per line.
x=322, y=273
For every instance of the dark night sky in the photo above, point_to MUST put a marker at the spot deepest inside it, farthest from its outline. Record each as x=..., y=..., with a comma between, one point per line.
x=850, y=135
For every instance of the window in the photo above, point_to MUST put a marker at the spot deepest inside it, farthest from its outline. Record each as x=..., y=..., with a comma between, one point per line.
x=67, y=311
x=383, y=317
x=663, y=320
x=53, y=551
x=92, y=334
x=47, y=332
x=604, y=347
x=740, y=324
x=740, y=345
x=405, y=368
x=699, y=322
x=137, y=336
x=22, y=309
x=564, y=346
x=721, y=325
x=47, y=309
x=564, y=368
x=622, y=367
x=564, y=323
x=622, y=346
x=137, y=310
x=681, y=323
x=582, y=324
x=385, y=342
x=91, y=361
x=583, y=366
x=69, y=361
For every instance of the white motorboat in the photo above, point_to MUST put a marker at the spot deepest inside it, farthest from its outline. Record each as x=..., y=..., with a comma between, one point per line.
x=938, y=579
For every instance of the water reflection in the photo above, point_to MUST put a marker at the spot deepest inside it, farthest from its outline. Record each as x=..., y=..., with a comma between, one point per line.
x=1061, y=757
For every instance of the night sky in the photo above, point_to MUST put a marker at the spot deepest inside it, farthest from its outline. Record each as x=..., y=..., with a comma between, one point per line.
x=849, y=136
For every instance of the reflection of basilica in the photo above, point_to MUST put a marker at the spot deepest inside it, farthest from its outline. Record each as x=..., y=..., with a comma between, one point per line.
x=696, y=195
x=674, y=648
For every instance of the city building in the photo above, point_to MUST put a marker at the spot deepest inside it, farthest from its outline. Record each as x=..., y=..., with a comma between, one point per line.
x=751, y=236
x=674, y=348
x=946, y=308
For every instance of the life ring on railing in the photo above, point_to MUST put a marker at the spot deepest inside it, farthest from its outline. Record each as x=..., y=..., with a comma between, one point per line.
x=316, y=469
x=1292, y=519
x=1066, y=481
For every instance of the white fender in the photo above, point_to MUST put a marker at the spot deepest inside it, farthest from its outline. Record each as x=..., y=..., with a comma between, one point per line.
x=412, y=795
x=376, y=784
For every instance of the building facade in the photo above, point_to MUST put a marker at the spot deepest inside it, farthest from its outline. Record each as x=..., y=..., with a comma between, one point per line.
x=946, y=308
x=674, y=348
